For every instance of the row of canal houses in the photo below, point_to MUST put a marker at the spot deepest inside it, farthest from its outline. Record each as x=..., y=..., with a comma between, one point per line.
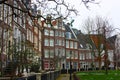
x=53, y=43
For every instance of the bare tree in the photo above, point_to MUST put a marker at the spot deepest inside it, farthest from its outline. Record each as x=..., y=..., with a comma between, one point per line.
x=98, y=30
x=53, y=7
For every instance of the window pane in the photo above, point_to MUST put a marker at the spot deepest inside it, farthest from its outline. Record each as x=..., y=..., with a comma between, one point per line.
x=59, y=33
x=51, y=42
x=56, y=42
x=51, y=33
x=62, y=34
x=46, y=32
x=67, y=65
x=71, y=44
x=67, y=44
x=46, y=43
x=75, y=45
x=76, y=55
x=63, y=43
x=51, y=53
x=46, y=53
x=60, y=42
x=67, y=54
x=56, y=33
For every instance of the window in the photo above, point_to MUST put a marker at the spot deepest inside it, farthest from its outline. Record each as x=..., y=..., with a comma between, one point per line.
x=75, y=45
x=46, y=32
x=56, y=33
x=63, y=52
x=1, y=12
x=87, y=56
x=75, y=65
x=46, y=53
x=63, y=34
x=71, y=44
x=51, y=42
x=51, y=33
x=76, y=55
x=67, y=65
x=59, y=33
x=67, y=44
x=49, y=25
x=56, y=51
x=68, y=35
x=63, y=42
x=51, y=53
x=46, y=43
x=67, y=54
x=82, y=57
x=90, y=55
x=60, y=42
x=56, y=42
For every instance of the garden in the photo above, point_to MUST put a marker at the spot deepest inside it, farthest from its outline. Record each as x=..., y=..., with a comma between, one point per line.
x=99, y=75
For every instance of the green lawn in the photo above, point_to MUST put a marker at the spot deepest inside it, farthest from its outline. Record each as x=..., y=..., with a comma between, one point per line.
x=99, y=75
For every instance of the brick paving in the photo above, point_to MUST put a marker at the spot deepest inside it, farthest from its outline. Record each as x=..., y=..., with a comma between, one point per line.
x=63, y=77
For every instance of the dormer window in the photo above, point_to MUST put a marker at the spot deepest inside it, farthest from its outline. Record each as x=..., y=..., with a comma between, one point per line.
x=81, y=45
x=68, y=35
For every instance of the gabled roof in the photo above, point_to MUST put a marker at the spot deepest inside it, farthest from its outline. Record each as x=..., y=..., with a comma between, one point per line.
x=111, y=41
x=99, y=39
x=69, y=29
x=84, y=41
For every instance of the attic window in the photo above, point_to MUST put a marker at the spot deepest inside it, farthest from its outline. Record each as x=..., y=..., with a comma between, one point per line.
x=81, y=45
x=88, y=46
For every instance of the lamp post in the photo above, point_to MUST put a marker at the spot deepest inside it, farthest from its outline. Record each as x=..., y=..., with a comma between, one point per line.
x=70, y=66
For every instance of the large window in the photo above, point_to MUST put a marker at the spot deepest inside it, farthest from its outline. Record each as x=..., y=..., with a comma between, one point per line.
x=56, y=41
x=51, y=33
x=75, y=65
x=46, y=43
x=75, y=45
x=76, y=55
x=56, y=33
x=51, y=42
x=1, y=11
x=59, y=33
x=51, y=53
x=46, y=32
x=60, y=42
x=63, y=52
x=67, y=65
x=67, y=44
x=63, y=34
x=71, y=44
x=67, y=54
x=46, y=53
x=63, y=42
x=82, y=56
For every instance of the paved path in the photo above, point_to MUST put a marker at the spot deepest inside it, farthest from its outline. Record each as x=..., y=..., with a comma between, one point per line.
x=63, y=77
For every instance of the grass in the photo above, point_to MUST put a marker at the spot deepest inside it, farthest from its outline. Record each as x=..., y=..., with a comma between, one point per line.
x=99, y=75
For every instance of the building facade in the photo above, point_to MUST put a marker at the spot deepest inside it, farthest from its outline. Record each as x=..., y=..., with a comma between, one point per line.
x=20, y=35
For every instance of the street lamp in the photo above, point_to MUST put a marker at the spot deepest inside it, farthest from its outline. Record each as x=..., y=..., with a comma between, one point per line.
x=70, y=66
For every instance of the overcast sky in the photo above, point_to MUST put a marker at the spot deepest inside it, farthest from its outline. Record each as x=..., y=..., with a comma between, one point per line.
x=107, y=8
